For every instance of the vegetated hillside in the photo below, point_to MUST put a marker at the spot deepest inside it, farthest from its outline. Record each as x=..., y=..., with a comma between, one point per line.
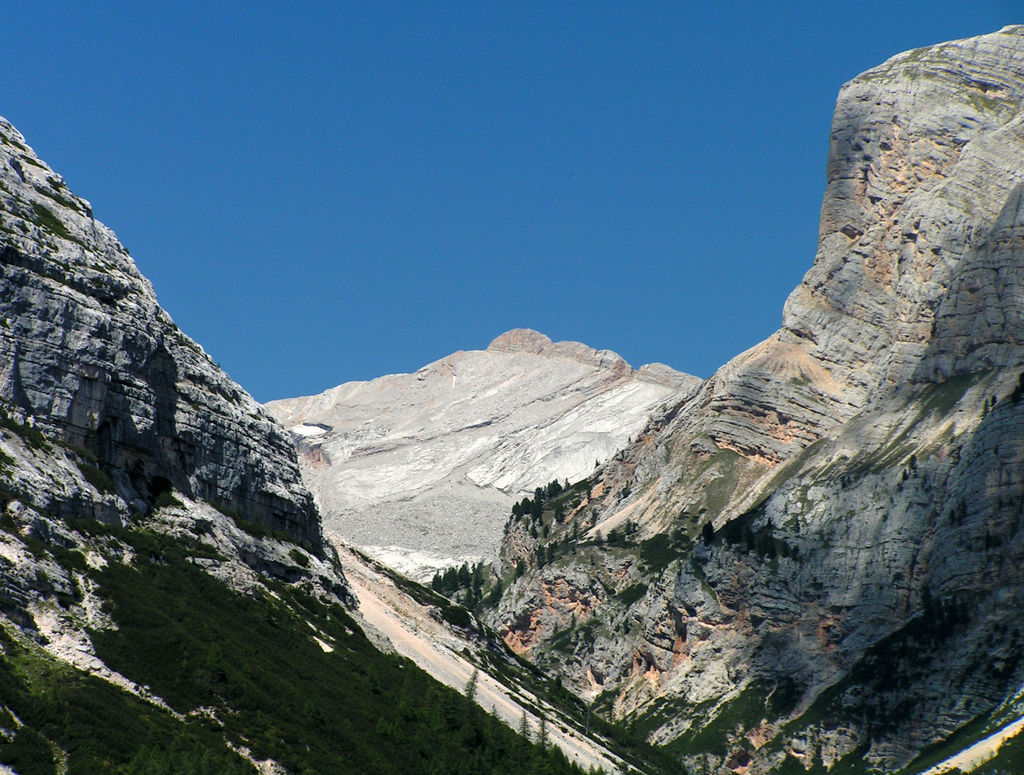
x=167, y=603
x=813, y=563
x=454, y=647
x=138, y=659
x=417, y=469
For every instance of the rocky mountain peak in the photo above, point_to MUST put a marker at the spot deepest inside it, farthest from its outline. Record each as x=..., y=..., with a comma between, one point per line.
x=525, y=340
x=422, y=468
x=784, y=534
x=922, y=175
x=520, y=340
x=923, y=162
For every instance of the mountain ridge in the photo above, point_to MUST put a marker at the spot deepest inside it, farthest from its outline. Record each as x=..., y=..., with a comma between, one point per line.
x=808, y=563
x=90, y=357
x=529, y=341
x=423, y=465
x=167, y=600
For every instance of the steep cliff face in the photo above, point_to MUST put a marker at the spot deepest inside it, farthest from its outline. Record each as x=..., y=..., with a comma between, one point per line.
x=817, y=555
x=89, y=357
x=916, y=228
x=923, y=166
x=421, y=468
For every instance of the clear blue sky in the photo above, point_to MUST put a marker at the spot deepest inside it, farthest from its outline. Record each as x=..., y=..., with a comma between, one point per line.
x=329, y=191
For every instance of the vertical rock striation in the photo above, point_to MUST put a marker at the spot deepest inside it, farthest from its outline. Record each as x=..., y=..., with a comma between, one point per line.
x=88, y=356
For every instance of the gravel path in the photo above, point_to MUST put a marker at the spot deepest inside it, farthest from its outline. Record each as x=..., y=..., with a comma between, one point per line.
x=435, y=649
x=971, y=758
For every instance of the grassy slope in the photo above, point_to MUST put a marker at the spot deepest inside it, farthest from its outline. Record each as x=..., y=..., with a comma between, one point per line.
x=254, y=662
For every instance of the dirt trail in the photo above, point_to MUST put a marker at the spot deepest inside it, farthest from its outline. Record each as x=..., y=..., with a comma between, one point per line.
x=973, y=757
x=434, y=648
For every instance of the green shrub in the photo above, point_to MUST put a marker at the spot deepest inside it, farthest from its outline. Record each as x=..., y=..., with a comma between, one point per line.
x=49, y=221
x=275, y=690
x=457, y=615
x=657, y=552
x=33, y=437
x=166, y=500
x=630, y=595
x=70, y=558
x=101, y=728
x=98, y=478
x=28, y=753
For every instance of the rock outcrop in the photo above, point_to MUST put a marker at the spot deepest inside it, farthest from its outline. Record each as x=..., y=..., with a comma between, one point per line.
x=817, y=554
x=421, y=469
x=88, y=357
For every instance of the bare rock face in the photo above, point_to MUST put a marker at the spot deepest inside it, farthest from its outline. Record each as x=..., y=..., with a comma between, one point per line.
x=422, y=468
x=924, y=166
x=917, y=224
x=822, y=544
x=916, y=279
x=523, y=340
x=89, y=357
x=123, y=446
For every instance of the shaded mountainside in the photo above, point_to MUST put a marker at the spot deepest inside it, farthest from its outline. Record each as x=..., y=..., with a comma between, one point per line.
x=815, y=559
x=418, y=468
x=167, y=603
x=89, y=357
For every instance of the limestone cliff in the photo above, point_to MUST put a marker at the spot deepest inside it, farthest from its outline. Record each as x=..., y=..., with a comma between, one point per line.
x=88, y=357
x=167, y=603
x=816, y=555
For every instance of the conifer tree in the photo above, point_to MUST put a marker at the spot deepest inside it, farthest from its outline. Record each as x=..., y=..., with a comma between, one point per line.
x=524, y=727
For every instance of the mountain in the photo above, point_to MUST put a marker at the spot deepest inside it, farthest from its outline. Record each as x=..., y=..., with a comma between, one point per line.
x=812, y=562
x=167, y=601
x=808, y=563
x=89, y=357
x=420, y=469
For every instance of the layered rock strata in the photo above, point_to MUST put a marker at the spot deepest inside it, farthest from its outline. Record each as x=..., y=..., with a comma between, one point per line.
x=822, y=543
x=422, y=468
x=88, y=357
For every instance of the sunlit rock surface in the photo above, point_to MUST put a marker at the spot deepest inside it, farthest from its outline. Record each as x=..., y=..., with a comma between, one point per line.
x=89, y=357
x=422, y=469
x=822, y=544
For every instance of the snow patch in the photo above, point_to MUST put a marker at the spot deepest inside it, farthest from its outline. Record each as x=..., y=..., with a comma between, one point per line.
x=417, y=565
x=308, y=430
